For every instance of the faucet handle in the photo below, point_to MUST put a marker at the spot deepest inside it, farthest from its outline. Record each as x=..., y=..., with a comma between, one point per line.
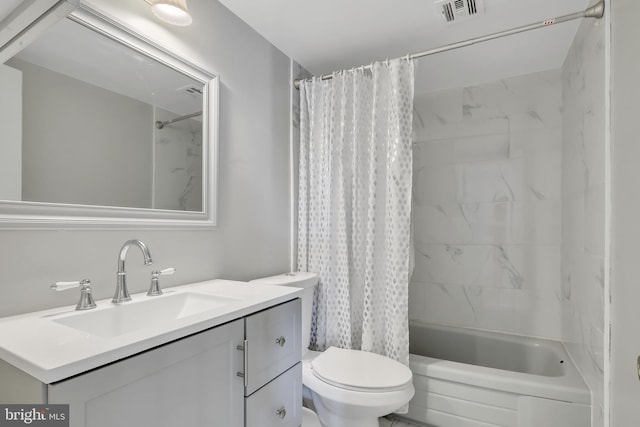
x=86, y=299
x=63, y=286
x=154, y=289
x=165, y=271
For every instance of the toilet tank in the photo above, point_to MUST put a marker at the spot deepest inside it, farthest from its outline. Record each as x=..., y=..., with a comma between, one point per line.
x=298, y=279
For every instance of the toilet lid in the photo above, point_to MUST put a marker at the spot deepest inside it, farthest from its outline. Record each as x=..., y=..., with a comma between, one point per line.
x=360, y=370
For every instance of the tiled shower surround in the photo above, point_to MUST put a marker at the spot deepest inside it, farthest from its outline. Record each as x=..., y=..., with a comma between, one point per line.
x=177, y=171
x=509, y=207
x=487, y=184
x=583, y=208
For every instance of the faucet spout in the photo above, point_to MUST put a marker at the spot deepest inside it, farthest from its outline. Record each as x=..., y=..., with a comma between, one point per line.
x=122, y=293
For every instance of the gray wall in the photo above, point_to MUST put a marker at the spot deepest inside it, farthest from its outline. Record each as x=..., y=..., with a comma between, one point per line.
x=625, y=211
x=73, y=154
x=10, y=123
x=253, y=234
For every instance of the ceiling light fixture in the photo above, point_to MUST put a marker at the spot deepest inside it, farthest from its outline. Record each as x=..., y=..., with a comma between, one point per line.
x=172, y=11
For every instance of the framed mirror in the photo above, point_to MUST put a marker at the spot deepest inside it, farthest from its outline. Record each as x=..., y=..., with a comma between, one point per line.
x=100, y=127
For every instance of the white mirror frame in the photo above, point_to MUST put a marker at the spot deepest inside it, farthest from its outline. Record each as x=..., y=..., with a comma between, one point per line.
x=37, y=215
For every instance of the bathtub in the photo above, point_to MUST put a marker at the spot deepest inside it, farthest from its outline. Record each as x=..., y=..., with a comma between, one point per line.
x=470, y=378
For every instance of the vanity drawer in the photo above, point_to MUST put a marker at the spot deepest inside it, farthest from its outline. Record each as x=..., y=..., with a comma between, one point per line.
x=279, y=403
x=273, y=343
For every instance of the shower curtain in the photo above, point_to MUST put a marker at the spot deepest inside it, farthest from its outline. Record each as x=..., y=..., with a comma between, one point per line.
x=355, y=205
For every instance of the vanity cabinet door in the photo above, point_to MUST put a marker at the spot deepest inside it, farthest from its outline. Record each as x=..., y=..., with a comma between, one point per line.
x=273, y=341
x=189, y=382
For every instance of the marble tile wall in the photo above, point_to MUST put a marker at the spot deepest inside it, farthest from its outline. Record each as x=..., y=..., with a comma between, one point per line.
x=487, y=175
x=177, y=171
x=583, y=208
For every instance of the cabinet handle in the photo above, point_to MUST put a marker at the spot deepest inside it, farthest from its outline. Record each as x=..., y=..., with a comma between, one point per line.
x=280, y=341
x=281, y=413
x=245, y=375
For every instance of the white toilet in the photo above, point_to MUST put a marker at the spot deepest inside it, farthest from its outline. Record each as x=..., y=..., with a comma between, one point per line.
x=349, y=388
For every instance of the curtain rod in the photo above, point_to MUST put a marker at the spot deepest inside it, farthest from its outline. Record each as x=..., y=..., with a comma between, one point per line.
x=160, y=124
x=595, y=11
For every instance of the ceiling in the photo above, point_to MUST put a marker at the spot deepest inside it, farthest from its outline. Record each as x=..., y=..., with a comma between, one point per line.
x=340, y=34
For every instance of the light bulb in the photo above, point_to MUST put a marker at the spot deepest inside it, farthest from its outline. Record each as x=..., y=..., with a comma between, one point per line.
x=172, y=11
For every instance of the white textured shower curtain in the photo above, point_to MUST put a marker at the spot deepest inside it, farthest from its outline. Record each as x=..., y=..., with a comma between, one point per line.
x=355, y=205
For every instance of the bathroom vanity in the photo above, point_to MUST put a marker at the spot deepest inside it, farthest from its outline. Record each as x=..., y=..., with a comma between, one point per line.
x=212, y=353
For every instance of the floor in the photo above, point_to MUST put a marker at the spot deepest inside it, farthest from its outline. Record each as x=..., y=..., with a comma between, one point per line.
x=390, y=422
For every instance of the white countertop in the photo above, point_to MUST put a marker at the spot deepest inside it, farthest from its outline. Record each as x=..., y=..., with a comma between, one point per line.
x=50, y=351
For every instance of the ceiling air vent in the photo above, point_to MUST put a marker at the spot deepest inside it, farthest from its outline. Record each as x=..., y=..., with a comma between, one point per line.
x=193, y=90
x=454, y=10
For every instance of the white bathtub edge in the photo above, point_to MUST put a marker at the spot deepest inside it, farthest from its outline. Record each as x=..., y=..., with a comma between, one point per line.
x=567, y=388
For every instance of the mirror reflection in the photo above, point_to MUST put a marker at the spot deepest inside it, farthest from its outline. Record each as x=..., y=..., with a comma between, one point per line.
x=86, y=120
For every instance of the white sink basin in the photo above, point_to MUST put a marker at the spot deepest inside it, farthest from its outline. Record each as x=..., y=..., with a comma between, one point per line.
x=115, y=320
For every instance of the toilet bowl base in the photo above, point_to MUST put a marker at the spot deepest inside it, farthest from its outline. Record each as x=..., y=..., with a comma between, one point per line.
x=331, y=419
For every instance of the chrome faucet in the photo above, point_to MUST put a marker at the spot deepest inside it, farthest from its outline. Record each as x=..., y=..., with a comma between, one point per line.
x=122, y=293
